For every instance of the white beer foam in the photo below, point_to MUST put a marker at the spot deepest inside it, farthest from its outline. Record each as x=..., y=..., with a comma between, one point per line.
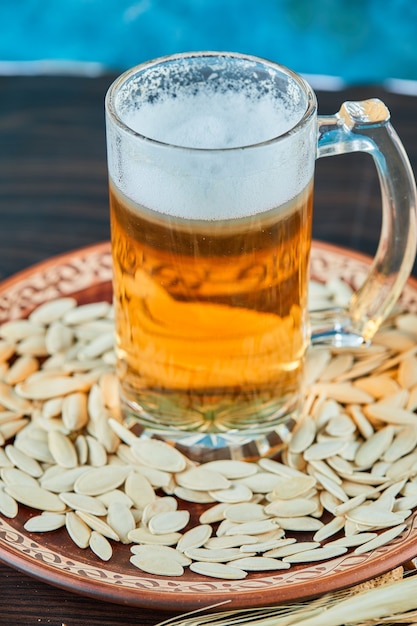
x=212, y=121
x=212, y=181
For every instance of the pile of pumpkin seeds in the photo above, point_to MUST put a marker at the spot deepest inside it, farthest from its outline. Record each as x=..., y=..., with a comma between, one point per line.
x=347, y=478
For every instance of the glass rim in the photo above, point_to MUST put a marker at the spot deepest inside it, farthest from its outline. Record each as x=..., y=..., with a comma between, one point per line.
x=116, y=85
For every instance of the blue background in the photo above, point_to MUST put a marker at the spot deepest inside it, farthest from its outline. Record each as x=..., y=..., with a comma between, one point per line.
x=359, y=40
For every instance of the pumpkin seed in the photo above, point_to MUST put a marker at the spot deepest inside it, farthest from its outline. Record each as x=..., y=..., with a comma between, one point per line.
x=85, y=313
x=24, y=462
x=105, y=434
x=294, y=488
x=407, y=323
x=195, y=537
x=258, y=564
x=45, y=522
x=158, y=505
x=74, y=411
x=36, y=497
x=77, y=529
x=63, y=481
x=262, y=546
x=342, y=392
x=292, y=548
x=237, y=492
x=143, y=535
x=262, y=482
x=12, y=401
x=323, y=468
x=275, y=467
x=34, y=345
x=97, y=346
x=374, y=447
x=404, y=442
x=331, y=486
x=378, y=386
x=407, y=372
x=318, y=554
x=62, y=449
x=52, y=408
x=373, y=516
x=303, y=435
x=236, y=541
x=115, y=495
x=162, y=551
x=218, y=570
x=8, y=505
x=397, y=400
x=96, y=452
x=4, y=459
x=337, y=366
x=16, y=330
x=51, y=386
x=86, y=331
x=52, y=310
x=168, y=522
x=7, y=349
x=81, y=447
x=191, y=495
x=329, y=529
x=389, y=414
x=214, y=556
x=302, y=523
x=245, y=512
x=353, y=540
x=230, y=468
x=325, y=449
x=316, y=363
x=251, y=528
x=352, y=503
x=35, y=448
x=394, y=340
x=157, y=564
x=98, y=480
x=380, y=539
x=122, y=432
x=139, y=490
x=23, y=367
x=214, y=514
x=97, y=524
x=340, y=426
x=13, y=476
x=296, y=507
x=58, y=338
x=87, y=504
x=201, y=479
x=159, y=455
x=100, y=546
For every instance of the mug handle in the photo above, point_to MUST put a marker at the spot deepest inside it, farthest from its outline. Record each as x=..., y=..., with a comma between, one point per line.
x=365, y=127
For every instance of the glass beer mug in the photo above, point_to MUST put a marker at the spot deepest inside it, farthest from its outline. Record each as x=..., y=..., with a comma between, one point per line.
x=211, y=164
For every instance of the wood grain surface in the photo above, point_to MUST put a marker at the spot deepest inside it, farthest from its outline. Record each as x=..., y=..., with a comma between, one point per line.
x=53, y=198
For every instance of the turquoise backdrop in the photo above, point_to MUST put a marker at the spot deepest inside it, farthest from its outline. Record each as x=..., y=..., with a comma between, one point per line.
x=359, y=40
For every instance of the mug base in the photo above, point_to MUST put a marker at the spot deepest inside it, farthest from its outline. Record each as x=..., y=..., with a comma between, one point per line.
x=204, y=446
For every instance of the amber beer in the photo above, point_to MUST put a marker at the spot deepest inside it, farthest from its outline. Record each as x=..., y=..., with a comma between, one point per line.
x=211, y=331
x=211, y=199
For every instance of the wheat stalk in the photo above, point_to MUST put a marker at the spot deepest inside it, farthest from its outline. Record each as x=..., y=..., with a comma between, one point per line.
x=386, y=605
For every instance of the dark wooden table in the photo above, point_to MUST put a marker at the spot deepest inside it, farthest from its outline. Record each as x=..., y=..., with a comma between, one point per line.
x=53, y=198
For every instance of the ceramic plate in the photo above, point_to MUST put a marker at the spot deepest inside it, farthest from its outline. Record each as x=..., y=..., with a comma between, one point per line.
x=53, y=558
